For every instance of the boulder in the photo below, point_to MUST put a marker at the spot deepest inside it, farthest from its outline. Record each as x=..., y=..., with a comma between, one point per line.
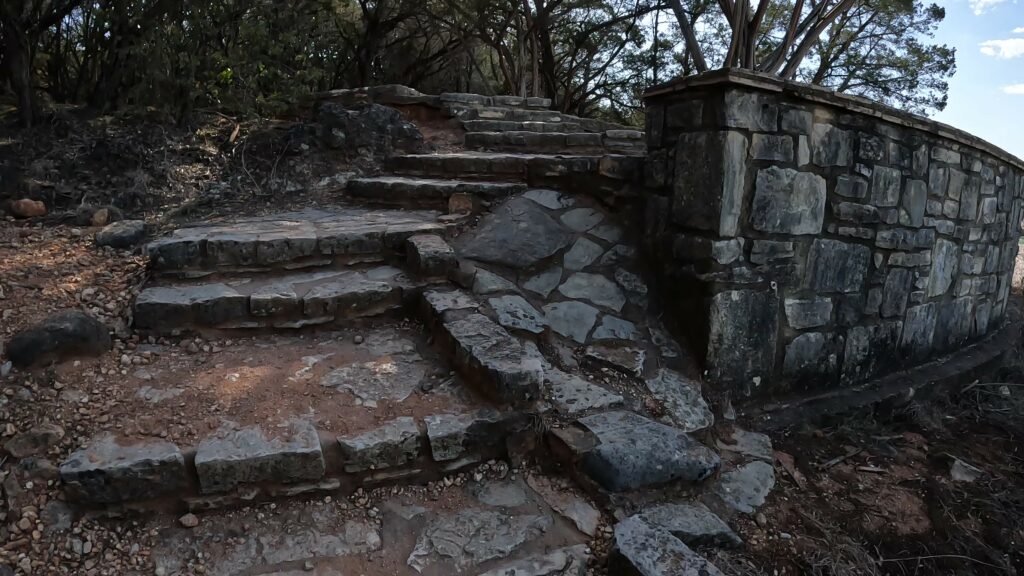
x=123, y=235
x=27, y=208
x=368, y=129
x=63, y=335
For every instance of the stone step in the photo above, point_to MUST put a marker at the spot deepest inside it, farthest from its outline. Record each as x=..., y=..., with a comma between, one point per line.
x=283, y=300
x=464, y=98
x=532, y=140
x=483, y=351
x=497, y=165
x=642, y=549
x=511, y=126
x=467, y=112
x=289, y=241
x=237, y=465
x=426, y=191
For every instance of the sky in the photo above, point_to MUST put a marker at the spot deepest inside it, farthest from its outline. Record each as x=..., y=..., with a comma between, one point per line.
x=986, y=95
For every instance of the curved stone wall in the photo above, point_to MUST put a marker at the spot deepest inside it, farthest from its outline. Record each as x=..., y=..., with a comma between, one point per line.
x=809, y=240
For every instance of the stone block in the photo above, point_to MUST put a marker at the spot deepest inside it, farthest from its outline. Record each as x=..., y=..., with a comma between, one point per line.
x=804, y=313
x=751, y=111
x=685, y=115
x=710, y=177
x=885, y=186
x=396, y=443
x=765, y=251
x=919, y=163
x=898, y=283
x=788, y=202
x=775, y=147
x=796, y=121
x=106, y=472
x=955, y=323
x=494, y=358
x=831, y=146
x=870, y=147
x=743, y=329
x=812, y=358
x=849, y=186
x=640, y=548
x=634, y=452
x=919, y=331
x=453, y=435
x=938, y=181
x=911, y=259
x=945, y=155
x=860, y=213
x=914, y=202
x=235, y=456
x=834, y=266
x=870, y=350
x=945, y=266
x=430, y=255
x=905, y=238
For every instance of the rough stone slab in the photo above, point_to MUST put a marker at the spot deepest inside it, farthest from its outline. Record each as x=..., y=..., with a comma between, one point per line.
x=515, y=312
x=571, y=319
x=744, y=328
x=437, y=302
x=544, y=283
x=582, y=219
x=348, y=294
x=682, y=399
x=565, y=502
x=471, y=537
x=234, y=456
x=634, y=452
x=399, y=190
x=808, y=312
x=623, y=358
x=430, y=255
x=745, y=488
x=788, y=202
x=834, y=266
x=106, y=472
x=640, y=549
x=582, y=254
x=594, y=288
x=694, y=524
x=487, y=282
x=571, y=561
x=573, y=395
x=614, y=328
x=749, y=444
x=519, y=233
x=453, y=435
x=552, y=199
x=708, y=188
x=396, y=443
x=492, y=355
x=205, y=304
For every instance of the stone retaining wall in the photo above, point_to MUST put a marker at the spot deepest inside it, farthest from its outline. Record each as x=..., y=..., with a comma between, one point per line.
x=809, y=240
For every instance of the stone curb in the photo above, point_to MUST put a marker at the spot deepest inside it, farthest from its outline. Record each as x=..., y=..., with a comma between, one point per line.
x=239, y=465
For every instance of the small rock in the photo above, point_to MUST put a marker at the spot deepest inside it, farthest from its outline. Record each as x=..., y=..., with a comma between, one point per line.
x=36, y=441
x=189, y=521
x=58, y=337
x=122, y=235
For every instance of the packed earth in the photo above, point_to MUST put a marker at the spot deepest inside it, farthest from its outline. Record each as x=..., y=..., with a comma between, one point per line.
x=416, y=334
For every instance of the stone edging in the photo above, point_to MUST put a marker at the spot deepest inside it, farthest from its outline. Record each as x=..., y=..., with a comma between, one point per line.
x=236, y=466
x=846, y=102
x=931, y=377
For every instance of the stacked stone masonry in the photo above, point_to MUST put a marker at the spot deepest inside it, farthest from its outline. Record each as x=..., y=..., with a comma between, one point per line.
x=824, y=242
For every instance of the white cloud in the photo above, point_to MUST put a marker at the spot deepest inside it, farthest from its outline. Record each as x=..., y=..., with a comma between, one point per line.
x=1015, y=89
x=982, y=6
x=1019, y=30
x=1009, y=48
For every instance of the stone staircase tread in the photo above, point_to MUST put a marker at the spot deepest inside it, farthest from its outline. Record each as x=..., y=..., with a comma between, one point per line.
x=288, y=238
x=279, y=300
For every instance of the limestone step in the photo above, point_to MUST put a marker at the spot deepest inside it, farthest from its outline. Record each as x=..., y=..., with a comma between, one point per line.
x=425, y=191
x=482, y=350
x=495, y=101
x=289, y=241
x=511, y=126
x=498, y=165
x=283, y=300
x=532, y=140
x=486, y=112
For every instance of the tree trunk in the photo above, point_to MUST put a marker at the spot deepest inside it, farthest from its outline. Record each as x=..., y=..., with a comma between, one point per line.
x=18, y=60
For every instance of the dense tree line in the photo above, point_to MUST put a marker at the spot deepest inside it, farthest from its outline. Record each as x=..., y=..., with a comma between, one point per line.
x=593, y=57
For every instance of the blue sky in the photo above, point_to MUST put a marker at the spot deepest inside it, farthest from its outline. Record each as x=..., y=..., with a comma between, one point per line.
x=986, y=95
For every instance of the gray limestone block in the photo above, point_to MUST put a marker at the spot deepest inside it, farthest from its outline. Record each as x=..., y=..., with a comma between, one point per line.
x=850, y=186
x=286, y=245
x=796, y=120
x=897, y=289
x=870, y=349
x=347, y=293
x=235, y=456
x=765, y=251
x=788, y=202
x=624, y=358
x=570, y=561
x=710, y=173
x=123, y=235
x=802, y=313
x=641, y=549
x=486, y=282
x=571, y=319
x=954, y=324
x=437, y=302
x=750, y=110
x=945, y=267
x=634, y=452
x=746, y=488
x=494, y=358
x=273, y=300
x=812, y=358
x=429, y=254
x=945, y=155
x=682, y=399
x=914, y=202
x=594, y=288
x=694, y=524
x=582, y=254
x=206, y=304
x=853, y=212
x=834, y=266
x=919, y=331
x=938, y=181
x=106, y=472
x=831, y=146
x=396, y=443
x=572, y=395
x=614, y=328
x=743, y=329
x=886, y=184
x=515, y=312
x=870, y=147
x=453, y=435
x=775, y=147
x=685, y=115
x=519, y=234
x=544, y=283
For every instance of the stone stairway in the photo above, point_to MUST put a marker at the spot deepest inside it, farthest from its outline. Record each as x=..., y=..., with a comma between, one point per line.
x=541, y=315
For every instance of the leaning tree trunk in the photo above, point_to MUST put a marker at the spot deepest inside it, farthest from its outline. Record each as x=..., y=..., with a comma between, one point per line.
x=18, y=59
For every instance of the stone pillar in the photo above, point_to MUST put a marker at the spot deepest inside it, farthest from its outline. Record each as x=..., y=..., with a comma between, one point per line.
x=809, y=240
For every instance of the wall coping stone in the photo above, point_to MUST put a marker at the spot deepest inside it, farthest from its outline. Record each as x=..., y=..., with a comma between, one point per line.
x=818, y=94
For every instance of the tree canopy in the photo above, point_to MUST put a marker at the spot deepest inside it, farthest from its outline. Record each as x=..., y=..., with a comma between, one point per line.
x=592, y=57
